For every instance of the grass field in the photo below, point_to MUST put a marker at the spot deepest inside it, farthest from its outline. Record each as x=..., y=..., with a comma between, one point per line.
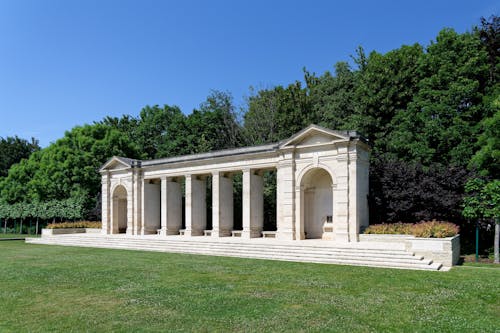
x=64, y=289
x=2, y=235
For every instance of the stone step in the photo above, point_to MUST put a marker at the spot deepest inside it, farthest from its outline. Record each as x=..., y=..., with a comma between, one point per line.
x=266, y=248
x=219, y=243
x=282, y=257
x=296, y=254
x=348, y=256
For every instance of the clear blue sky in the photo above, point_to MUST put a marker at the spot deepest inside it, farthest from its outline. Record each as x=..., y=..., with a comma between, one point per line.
x=66, y=63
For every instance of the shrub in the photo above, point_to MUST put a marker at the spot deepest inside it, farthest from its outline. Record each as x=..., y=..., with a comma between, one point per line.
x=435, y=229
x=392, y=228
x=424, y=229
x=80, y=224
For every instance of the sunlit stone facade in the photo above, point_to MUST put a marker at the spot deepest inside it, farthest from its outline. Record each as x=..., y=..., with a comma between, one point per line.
x=321, y=190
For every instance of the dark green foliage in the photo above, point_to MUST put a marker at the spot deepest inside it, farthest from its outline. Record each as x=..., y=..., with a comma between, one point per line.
x=406, y=191
x=213, y=126
x=441, y=122
x=72, y=208
x=332, y=97
x=68, y=167
x=13, y=150
x=487, y=158
x=489, y=32
x=275, y=114
x=386, y=85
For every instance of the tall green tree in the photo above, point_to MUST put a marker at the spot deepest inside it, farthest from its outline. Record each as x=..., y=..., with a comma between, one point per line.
x=277, y=113
x=386, y=85
x=154, y=127
x=489, y=32
x=441, y=122
x=67, y=167
x=13, y=150
x=332, y=97
x=483, y=201
x=213, y=126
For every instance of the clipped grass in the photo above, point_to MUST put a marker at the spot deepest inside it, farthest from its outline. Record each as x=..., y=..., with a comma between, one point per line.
x=69, y=289
x=2, y=235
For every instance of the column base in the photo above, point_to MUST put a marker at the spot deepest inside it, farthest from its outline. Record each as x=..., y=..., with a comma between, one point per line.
x=342, y=237
x=285, y=235
x=193, y=232
x=251, y=233
x=221, y=233
x=172, y=231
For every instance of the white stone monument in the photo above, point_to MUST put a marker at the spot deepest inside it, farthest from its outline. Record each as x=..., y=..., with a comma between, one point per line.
x=322, y=189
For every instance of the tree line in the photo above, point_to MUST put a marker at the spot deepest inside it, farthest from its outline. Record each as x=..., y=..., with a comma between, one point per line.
x=431, y=113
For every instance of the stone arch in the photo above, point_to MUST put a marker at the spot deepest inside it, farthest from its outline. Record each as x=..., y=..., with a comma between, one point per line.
x=316, y=192
x=119, y=210
x=311, y=166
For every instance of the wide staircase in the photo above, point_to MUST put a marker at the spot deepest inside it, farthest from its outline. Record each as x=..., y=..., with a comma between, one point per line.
x=299, y=251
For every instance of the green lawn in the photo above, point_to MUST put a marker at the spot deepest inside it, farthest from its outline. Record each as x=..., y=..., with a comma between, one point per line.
x=2, y=235
x=64, y=289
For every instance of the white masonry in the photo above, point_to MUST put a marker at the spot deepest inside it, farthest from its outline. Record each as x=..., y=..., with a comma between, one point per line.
x=321, y=190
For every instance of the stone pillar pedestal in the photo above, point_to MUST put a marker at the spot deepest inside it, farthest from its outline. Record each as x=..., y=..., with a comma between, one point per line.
x=196, y=212
x=171, y=207
x=285, y=198
x=253, y=204
x=222, y=205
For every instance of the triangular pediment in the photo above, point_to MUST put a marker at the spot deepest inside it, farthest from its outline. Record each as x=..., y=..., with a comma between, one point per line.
x=314, y=135
x=117, y=163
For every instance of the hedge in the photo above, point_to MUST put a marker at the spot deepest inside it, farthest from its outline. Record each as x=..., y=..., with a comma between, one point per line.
x=80, y=224
x=424, y=229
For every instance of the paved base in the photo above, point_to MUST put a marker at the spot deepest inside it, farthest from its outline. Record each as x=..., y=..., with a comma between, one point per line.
x=390, y=255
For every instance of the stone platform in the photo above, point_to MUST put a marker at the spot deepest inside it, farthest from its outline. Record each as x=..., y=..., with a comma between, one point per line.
x=373, y=254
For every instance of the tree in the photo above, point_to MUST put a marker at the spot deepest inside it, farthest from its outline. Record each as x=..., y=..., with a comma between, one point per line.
x=442, y=119
x=275, y=114
x=408, y=192
x=154, y=127
x=67, y=167
x=487, y=158
x=386, y=84
x=483, y=201
x=213, y=126
x=13, y=150
x=489, y=32
x=332, y=97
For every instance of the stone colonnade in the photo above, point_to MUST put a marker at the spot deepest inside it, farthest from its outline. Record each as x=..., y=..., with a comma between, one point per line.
x=321, y=190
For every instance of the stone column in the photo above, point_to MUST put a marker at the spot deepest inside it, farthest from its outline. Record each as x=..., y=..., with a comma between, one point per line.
x=358, y=189
x=196, y=212
x=253, y=204
x=222, y=205
x=105, y=198
x=173, y=206
x=134, y=203
x=341, y=195
x=163, y=205
x=285, y=197
x=151, y=207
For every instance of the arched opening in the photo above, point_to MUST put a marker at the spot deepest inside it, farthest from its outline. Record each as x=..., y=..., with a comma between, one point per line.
x=317, y=204
x=119, y=210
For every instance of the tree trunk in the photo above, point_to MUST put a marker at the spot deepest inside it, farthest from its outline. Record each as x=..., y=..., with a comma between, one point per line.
x=21, y=228
x=5, y=226
x=36, y=228
x=497, y=240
